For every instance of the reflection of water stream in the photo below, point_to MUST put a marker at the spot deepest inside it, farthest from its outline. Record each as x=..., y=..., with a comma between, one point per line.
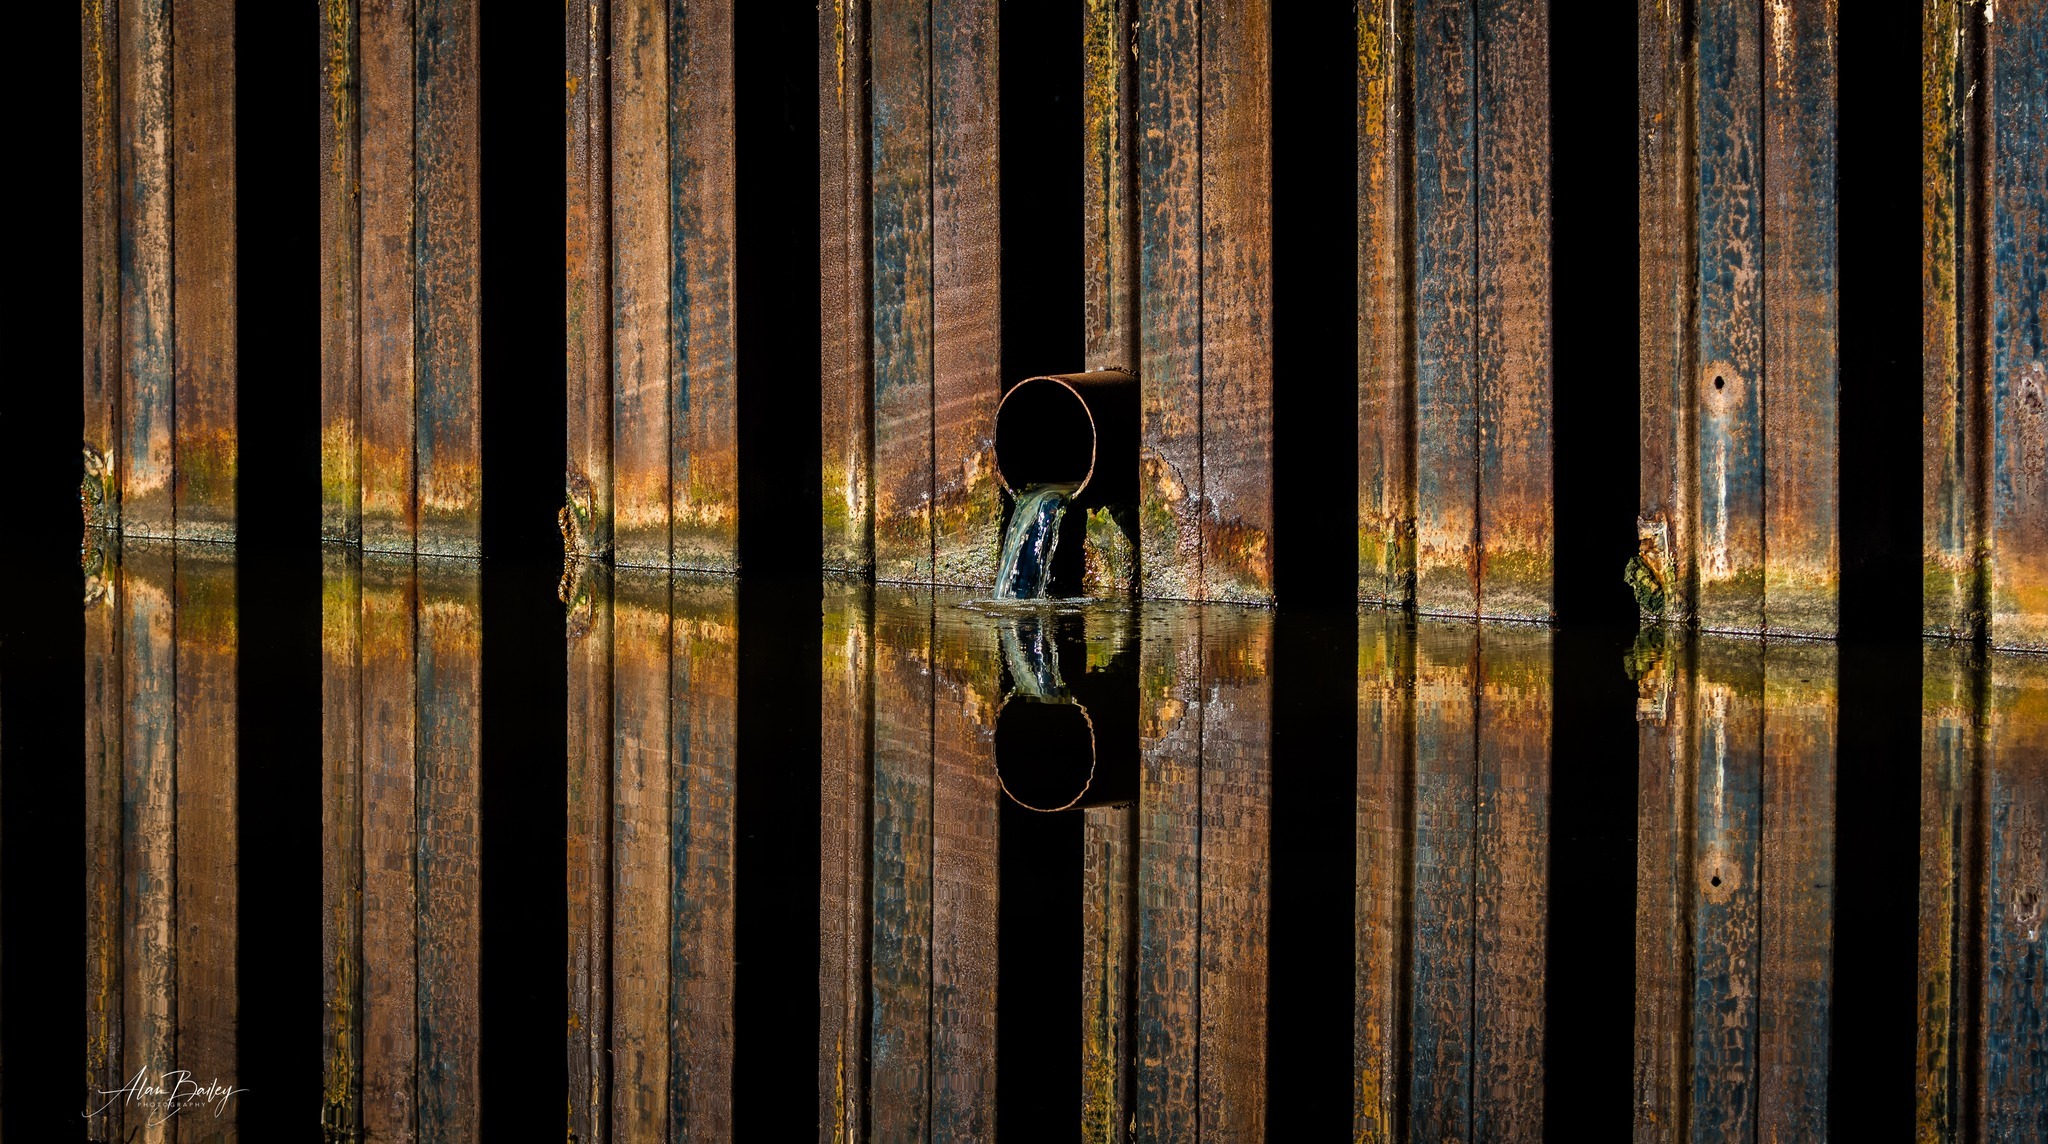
x=1042, y=731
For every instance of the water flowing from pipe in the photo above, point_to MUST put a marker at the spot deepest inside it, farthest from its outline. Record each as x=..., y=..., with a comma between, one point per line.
x=1033, y=536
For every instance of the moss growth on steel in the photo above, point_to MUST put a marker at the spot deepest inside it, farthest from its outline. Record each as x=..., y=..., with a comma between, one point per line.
x=1109, y=558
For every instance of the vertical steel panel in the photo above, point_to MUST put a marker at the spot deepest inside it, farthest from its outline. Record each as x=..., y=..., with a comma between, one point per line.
x=846, y=409
x=703, y=397
x=1386, y=359
x=586, y=42
x=900, y=299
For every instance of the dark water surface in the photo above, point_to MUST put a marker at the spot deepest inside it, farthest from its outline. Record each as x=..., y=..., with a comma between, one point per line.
x=414, y=850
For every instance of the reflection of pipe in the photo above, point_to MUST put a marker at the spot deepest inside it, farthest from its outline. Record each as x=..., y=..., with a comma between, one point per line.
x=1050, y=748
x=1074, y=429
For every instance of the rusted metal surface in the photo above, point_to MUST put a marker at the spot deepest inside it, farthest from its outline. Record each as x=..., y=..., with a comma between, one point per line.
x=341, y=277
x=641, y=258
x=900, y=299
x=2016, y=62
x=1204, y=173
x=1737, y=315
x=1454, y=357
x=1386, y=364
x=847, y=713
x=400, y=726
x=1983, y=980
x=1512, y=369
x=1446, y=406
x=1802, y=540
x=1441, y=986
x=400, y=405
x=1169, y=98
x=99, y=248
x=1735, y=888
x=1985, y=387
x=653, y=441
x=162, y=914
x=203, y=268
x=1237, y=302
x=1107, y=946
x=966, y=292
x=1667, y=415
x=157, y=150
x=910, y=286
x=144, y=464
x=586, y=43
x=703, y=365
x=383, y=86
x=447, y=181
x=1108, y=247
x=846, y=408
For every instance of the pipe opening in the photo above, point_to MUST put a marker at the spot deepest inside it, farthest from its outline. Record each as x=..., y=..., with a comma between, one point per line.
x=1045, y=435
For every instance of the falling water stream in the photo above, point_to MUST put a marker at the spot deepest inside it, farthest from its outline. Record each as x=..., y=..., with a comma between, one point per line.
x=1034, y=534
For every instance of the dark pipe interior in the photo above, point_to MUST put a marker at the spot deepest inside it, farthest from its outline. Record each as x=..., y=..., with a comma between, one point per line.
x=1044, y=435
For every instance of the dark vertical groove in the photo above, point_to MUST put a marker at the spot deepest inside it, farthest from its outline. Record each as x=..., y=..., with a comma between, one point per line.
x=777, y=305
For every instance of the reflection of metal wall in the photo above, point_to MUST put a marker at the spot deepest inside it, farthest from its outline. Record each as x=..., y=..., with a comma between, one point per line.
x=401, y=687
x=1453, y=813
x=1198, y=1014
x=908, y=906
x=1983, y=890
x=162, y=913
x=654, y=677
x=1734, y=889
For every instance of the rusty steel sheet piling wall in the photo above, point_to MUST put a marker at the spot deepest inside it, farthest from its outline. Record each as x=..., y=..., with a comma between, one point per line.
x=653, y=404
x=158, y=247
x=1738, y=314
x=1454, y=322
x=1734, y=888
x=161, y=921
x=1454, y=311
x=401, y=695
x=1984, y=360
x=401, y=452
x=910, y=288
x=1202, y=165
x=1983, y=870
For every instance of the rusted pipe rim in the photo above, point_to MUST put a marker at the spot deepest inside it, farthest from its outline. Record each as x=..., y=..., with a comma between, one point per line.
x=1078, y=795
x=1094, y=436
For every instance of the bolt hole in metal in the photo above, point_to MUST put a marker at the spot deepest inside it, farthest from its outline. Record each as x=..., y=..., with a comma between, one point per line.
x=1720, y=382
x=1717, y=879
